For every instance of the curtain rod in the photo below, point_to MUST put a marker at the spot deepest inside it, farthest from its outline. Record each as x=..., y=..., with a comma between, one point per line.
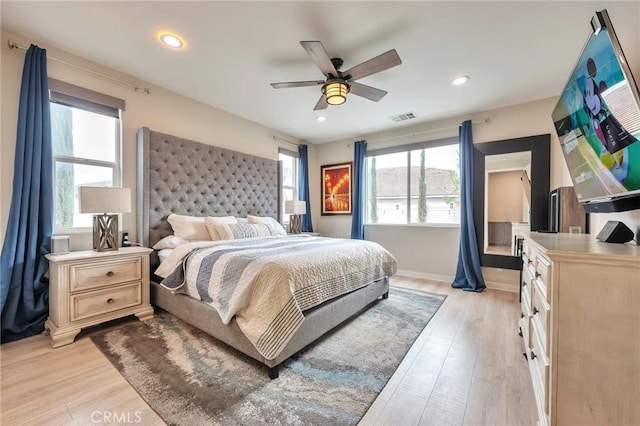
x=13, y=45
x=375, y=140
x=278, y=138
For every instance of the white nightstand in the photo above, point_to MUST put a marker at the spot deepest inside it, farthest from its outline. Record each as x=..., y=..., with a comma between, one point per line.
x=88, y=288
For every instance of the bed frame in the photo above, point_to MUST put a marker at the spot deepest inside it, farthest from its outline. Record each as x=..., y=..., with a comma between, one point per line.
x=176, y=175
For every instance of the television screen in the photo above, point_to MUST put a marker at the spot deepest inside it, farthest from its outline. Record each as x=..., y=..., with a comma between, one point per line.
x=597, y=120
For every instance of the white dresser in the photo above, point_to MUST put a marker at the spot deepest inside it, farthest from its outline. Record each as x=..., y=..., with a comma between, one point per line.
x=88, y=287
x=580, y=321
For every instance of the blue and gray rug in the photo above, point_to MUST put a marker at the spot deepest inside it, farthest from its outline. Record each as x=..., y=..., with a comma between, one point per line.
x=189, y=378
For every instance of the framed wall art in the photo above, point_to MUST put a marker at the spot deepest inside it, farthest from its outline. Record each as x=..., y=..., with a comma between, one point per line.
x=336, y=188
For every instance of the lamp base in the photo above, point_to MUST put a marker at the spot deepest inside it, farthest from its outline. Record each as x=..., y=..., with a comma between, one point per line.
x=105, y=232
x=295, y=224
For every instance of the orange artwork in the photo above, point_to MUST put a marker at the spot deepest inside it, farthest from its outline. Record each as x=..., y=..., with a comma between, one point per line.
x=336, y=188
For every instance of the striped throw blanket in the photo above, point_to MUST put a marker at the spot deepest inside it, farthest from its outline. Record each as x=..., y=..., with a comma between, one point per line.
x=267, y=282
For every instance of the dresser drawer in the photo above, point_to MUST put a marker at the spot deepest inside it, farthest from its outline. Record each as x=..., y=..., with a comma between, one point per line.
x=91, y=275
x=93, y=303
x=540, y=363
x=524, y=323
x=527, y=285
x=542, y=270
x=540, y=316
x=527, y=260
x=526, y=251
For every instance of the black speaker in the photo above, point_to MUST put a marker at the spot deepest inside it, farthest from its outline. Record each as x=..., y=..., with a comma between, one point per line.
x=615, y=232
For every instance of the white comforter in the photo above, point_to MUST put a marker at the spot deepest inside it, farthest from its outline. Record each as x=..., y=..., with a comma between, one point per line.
x=267, y=282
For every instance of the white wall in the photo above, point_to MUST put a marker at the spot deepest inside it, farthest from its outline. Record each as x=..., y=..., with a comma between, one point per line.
x=162, y=111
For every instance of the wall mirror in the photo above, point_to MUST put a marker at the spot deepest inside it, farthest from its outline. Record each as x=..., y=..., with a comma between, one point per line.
x=511, y=195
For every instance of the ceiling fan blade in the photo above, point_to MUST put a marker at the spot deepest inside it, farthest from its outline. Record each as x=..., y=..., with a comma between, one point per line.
x=379, y=63
x=320, y=57
x=367, y=92
x=296, y=84
x=322, y=103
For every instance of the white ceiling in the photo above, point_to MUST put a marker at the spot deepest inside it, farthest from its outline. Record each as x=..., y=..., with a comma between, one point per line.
x=514, y=51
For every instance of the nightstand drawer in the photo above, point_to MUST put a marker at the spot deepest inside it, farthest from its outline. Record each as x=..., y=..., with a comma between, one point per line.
x=92, y=275
x=111, y=299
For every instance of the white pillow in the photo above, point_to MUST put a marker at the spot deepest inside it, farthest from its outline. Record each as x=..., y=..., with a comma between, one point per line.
x=169, y=242
x=235, y=231
x=190, y=228
x=271, y=222
x=210, y=223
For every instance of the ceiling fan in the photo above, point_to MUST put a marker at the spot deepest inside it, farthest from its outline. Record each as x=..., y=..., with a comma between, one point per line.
x=339, y=83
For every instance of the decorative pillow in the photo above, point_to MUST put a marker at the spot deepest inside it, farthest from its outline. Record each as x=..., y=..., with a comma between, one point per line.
x=210, y=223
x=271, y=222
x=169, y=242
x=190, y=228
x=234, y=231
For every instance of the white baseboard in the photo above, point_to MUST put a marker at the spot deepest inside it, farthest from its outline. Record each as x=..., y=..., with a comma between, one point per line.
x=494, y=285
x=435, y=277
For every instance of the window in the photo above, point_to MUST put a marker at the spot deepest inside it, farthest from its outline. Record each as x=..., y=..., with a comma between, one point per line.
x=417, y=183
x=85, y=134
x=289, y=161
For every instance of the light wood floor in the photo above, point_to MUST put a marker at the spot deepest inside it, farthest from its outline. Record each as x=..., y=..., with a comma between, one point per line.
x=466, y=368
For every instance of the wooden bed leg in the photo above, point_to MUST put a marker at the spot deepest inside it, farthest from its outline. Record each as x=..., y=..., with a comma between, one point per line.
x=386, y=295
x=274, y=372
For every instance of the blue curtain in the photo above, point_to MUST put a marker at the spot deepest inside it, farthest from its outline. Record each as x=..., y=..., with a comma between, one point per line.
x=468, y=273
x=24, y=290
x=303, y=187
x=359, y=170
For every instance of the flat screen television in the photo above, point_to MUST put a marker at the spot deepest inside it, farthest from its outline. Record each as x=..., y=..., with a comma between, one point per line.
x=597, y=120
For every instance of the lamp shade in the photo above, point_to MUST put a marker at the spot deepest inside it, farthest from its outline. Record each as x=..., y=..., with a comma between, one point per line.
x=295, y=207
x=335, y=92
x=105, y=200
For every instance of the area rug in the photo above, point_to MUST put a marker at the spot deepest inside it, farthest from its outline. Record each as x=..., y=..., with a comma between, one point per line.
x=190, y=378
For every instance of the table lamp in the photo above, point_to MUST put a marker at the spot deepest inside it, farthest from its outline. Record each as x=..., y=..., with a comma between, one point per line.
x=295, y=208
x=105, y=200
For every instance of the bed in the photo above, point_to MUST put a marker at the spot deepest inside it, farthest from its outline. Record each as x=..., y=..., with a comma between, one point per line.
x=180, y=176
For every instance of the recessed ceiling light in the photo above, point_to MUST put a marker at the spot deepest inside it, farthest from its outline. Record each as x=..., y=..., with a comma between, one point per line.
x=460, y=80
x=171, y=40
x=321, y=118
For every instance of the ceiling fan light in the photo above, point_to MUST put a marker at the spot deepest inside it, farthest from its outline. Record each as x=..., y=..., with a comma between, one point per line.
x=335, y=92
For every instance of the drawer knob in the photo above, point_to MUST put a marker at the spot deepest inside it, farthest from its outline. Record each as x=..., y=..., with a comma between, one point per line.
x=524, y=283
x=535, y=310
x=110, y=273
x=521, y=315
x=110, y=301
x=520, y=332
x=533, y=355
x=538, y=274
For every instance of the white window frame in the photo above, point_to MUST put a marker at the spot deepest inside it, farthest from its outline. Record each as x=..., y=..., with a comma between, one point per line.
x=294, y=188
x=80, y=98
x=407, y=149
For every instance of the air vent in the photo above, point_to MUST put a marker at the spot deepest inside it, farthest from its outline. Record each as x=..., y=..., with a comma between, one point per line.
x=403, y=117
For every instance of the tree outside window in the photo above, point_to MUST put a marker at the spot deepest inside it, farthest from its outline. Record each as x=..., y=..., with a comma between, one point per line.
x=414, y=186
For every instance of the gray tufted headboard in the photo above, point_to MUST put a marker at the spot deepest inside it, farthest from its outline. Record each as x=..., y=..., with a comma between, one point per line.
x=180, y=176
